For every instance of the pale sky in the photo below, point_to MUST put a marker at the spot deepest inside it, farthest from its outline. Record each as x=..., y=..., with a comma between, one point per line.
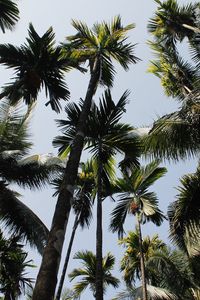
x=147, y=101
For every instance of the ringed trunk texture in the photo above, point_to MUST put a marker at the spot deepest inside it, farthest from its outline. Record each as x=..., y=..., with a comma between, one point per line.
x=99, y=234
x=142, y=265
x=47, y=277
x=60, y=287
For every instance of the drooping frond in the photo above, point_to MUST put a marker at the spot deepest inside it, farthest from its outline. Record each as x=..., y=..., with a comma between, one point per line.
x=184, y=215
x=21, y=220
x=9, y=14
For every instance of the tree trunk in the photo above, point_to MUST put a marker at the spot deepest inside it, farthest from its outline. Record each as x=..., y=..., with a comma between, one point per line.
x=47, y=276
x=99, y=243
x=60, y=287
x=142, y=265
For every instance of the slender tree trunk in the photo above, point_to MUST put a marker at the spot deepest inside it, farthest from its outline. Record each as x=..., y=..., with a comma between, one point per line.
x=60, y=287
x=47, y=276
x=99, y=234
x=142, y=265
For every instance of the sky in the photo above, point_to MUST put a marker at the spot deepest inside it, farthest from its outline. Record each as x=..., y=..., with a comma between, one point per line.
x=147, y=102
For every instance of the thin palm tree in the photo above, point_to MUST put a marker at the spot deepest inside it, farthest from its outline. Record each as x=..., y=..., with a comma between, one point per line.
x=130, y=263
x=98, y=47
x=82, y=207
x=168, y=272
x=9, y=14
x=88, y=272
x=17, y=168
x=105, y=137
x=136, y=200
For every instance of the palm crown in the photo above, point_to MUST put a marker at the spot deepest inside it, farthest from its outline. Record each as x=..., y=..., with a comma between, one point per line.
x=38, y=63
x=105, y=42
x=88, y=272
x=135, y=199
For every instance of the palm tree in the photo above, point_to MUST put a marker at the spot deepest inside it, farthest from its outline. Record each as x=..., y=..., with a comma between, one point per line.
x=176, y=135
x=13, y=281
x=172, y=22
x=130, y=263
x=82, y=207
x=168, y=272
x=88, y=272
x=105, y=138
x=136, y=200
x=97, y=46
x=16, y=167
x=38, y=63
x=9, y=14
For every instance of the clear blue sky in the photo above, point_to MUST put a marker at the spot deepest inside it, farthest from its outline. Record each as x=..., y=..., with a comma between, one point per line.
x=147, y=101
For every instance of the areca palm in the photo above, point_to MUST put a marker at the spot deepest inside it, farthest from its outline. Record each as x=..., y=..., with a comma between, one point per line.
x=98, y=47
x=88, y=272
x=136, y=200
x=168, y=272
x=16, y=168
x=38, y=63
x=173, y=22
x=130, y=263
x=105, y=138
x=82, y=207
x=9, y=14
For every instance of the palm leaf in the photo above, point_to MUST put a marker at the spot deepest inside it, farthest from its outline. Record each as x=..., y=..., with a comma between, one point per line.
x=21, y=220
x=9, y=14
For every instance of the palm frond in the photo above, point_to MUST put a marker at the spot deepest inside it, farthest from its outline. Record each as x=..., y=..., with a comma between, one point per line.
x=9, y=14
x=184, y=219
x=21, y=220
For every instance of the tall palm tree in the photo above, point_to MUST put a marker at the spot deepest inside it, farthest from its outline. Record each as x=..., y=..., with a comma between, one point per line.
x=136, y=200
x=37, y=64
x=16, y=168
x=9, y=14
x=97, y=46
x=105, y=137
x=88, y=272
x=82, y=207
x=13, y=280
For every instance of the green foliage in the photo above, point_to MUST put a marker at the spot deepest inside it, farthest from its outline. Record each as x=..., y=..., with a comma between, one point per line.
x=184, y=215
x=135, y=199
x=38, y=63
x=105, y=41
x=87, y=273
x=9, y=14
x=13, y=280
